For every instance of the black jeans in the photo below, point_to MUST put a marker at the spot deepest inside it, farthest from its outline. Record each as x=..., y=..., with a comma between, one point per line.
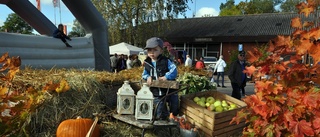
x=243, y=91
x=236, y=91
x=62, y=37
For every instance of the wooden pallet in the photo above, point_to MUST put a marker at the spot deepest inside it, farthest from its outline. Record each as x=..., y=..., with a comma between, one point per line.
x=209, y=122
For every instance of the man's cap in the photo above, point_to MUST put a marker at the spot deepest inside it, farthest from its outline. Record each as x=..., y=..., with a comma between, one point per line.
x=242, y=52
x=154, y=42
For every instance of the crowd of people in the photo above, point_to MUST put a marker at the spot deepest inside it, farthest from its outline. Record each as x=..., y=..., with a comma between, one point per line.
x=121, y=62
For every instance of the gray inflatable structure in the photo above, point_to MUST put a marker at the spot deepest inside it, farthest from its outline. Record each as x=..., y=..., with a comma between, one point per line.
x=46, y=52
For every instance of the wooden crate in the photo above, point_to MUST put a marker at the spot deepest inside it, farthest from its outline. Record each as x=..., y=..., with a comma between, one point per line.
x=212, y=123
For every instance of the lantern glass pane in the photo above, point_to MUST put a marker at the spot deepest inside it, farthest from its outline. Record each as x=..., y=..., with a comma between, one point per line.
x=126, y=103
x=144, y=108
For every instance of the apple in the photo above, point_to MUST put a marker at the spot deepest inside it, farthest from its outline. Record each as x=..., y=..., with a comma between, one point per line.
x=210, y=100
x=217, y=103
x=233, y=106
x=211, y=107
x=224, y=103
x=202, y=103
x=226, y=108
x=196, y=99
x=207, y=104
x=219, y=109
x=203, y=99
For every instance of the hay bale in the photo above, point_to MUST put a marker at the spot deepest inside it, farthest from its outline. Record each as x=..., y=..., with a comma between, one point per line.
x=87, y=95
x=91, y=92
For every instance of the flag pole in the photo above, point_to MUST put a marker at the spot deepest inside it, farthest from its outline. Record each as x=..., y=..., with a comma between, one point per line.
x=55, y=20
x=60, y=10
x=54, y=3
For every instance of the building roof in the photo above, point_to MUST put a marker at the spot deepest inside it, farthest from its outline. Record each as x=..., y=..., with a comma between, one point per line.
x=254, y=28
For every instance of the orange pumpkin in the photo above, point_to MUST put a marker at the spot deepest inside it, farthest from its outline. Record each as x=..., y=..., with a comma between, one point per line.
x=77, y=128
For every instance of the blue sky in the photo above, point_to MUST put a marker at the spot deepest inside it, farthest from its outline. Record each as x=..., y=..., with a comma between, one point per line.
x=200, y=7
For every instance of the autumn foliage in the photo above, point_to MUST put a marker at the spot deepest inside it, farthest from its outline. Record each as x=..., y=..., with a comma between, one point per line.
x=288, y=102
x=19, y=100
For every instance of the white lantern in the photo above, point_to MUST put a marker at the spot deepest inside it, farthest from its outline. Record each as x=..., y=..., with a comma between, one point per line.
x=125, y=99
x=144, y=103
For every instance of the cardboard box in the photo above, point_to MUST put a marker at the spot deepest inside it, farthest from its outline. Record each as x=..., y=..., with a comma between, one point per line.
x=212, y=123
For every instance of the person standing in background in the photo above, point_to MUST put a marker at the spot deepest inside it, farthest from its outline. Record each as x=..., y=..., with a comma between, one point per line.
x=194, y=62
x=219, y=68
x=121, y=65
x=129, y=62
x=200, y=63
x=135, y=61
x=237, y=77
x=180, y=60
x=114, y=62
x=188, y=62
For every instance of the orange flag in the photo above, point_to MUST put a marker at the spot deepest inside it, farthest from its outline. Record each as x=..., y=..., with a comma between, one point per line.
x=38, y=5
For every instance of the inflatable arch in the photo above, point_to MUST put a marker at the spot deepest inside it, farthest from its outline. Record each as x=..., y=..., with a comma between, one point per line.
x=45, y=52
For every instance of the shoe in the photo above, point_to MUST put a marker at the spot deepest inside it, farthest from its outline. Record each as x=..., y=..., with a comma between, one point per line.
x=224, y=87
x=69, y=46
x=219, y=86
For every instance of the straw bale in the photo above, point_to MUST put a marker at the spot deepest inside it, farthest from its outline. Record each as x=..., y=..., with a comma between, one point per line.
x=91, y=92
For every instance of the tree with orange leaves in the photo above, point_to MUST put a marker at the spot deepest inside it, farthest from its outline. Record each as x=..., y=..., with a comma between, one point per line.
x=288, y=103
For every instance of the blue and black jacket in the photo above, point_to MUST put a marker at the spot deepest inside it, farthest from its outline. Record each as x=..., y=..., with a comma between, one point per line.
x=162, y=67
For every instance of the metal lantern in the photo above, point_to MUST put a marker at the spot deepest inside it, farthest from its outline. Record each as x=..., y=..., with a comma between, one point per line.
x=125, y=99
x=144, y=103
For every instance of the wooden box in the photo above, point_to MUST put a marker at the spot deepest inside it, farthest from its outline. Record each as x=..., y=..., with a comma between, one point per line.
x=212, y=123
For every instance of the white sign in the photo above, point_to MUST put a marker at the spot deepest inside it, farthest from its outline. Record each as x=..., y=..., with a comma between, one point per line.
x=202, y=39
x=240, y=47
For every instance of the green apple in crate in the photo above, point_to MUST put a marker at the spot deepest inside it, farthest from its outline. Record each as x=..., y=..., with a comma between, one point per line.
x=210, y=100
